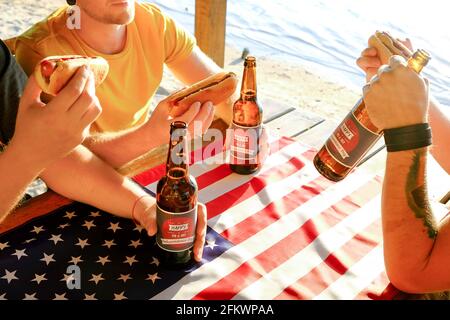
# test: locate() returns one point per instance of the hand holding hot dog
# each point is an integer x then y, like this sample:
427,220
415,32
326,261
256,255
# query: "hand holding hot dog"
51,131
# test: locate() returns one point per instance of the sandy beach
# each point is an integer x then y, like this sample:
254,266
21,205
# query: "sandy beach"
289,83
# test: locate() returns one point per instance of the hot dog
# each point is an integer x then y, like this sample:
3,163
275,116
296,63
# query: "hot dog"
216,88
53,73
387,46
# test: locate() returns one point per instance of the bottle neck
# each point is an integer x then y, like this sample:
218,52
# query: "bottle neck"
248,89
419,60
178,155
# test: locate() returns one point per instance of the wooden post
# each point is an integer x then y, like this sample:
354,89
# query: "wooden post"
210,25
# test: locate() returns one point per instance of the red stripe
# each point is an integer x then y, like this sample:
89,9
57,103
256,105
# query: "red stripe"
379,289
222,171
247,273
263,218
334,266
256,184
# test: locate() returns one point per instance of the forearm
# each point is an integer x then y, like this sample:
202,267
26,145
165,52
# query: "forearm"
118,149
83,177
409,228
17,171
440,125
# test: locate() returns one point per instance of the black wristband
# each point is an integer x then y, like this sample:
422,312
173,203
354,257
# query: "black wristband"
408,138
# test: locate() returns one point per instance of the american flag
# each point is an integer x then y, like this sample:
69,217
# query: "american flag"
282,233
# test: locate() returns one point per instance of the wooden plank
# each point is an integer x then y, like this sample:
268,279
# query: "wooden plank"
34,208
316,136
210,26
294,123
273,109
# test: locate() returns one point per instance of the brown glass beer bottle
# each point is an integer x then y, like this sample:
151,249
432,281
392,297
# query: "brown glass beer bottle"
246,127
176,199
355,136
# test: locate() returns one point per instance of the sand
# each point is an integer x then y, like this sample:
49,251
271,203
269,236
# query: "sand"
289,83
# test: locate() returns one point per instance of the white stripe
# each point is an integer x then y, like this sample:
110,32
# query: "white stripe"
233,181
271,193
358,277
299,265
209,273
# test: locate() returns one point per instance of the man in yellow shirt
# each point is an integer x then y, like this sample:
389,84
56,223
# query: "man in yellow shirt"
137,40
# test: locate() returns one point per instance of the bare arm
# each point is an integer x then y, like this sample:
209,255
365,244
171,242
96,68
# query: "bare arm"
440,125
17,170
416,246
119,148
198,66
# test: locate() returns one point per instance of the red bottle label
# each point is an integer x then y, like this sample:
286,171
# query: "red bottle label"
350,141
244,144
176,231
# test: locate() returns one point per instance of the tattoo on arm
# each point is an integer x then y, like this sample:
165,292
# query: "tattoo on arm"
416,194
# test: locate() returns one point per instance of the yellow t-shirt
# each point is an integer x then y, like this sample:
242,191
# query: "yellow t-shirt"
135,74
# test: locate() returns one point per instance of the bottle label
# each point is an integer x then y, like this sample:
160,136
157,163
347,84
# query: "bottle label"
244,145
350,141
176,231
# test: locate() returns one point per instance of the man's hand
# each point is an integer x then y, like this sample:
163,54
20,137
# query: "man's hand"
369,61
49,132
147,218
198,117
397,97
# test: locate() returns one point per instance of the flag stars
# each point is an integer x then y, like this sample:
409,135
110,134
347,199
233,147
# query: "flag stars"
130,260
153,277
89,224
60,296
90,297
68,278
62,226
38,230
97,278
135,244
39,278
48,258
109,244
75,260
56,238
155,261
3,297
19,254
82,243
120,296
30,296
125,277
114,227
103,260
4,245
29,240
138,228
95,214
70,215
211,244
10,276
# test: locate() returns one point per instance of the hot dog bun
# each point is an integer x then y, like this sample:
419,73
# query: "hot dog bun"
53,73
387,46
216,88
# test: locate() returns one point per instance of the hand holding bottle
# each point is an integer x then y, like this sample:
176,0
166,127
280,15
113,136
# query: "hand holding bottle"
399,97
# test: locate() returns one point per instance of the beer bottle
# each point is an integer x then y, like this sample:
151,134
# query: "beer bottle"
355,136
176,200
246,126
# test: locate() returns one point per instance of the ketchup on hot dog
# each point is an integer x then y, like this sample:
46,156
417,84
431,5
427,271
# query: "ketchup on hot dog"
47,68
